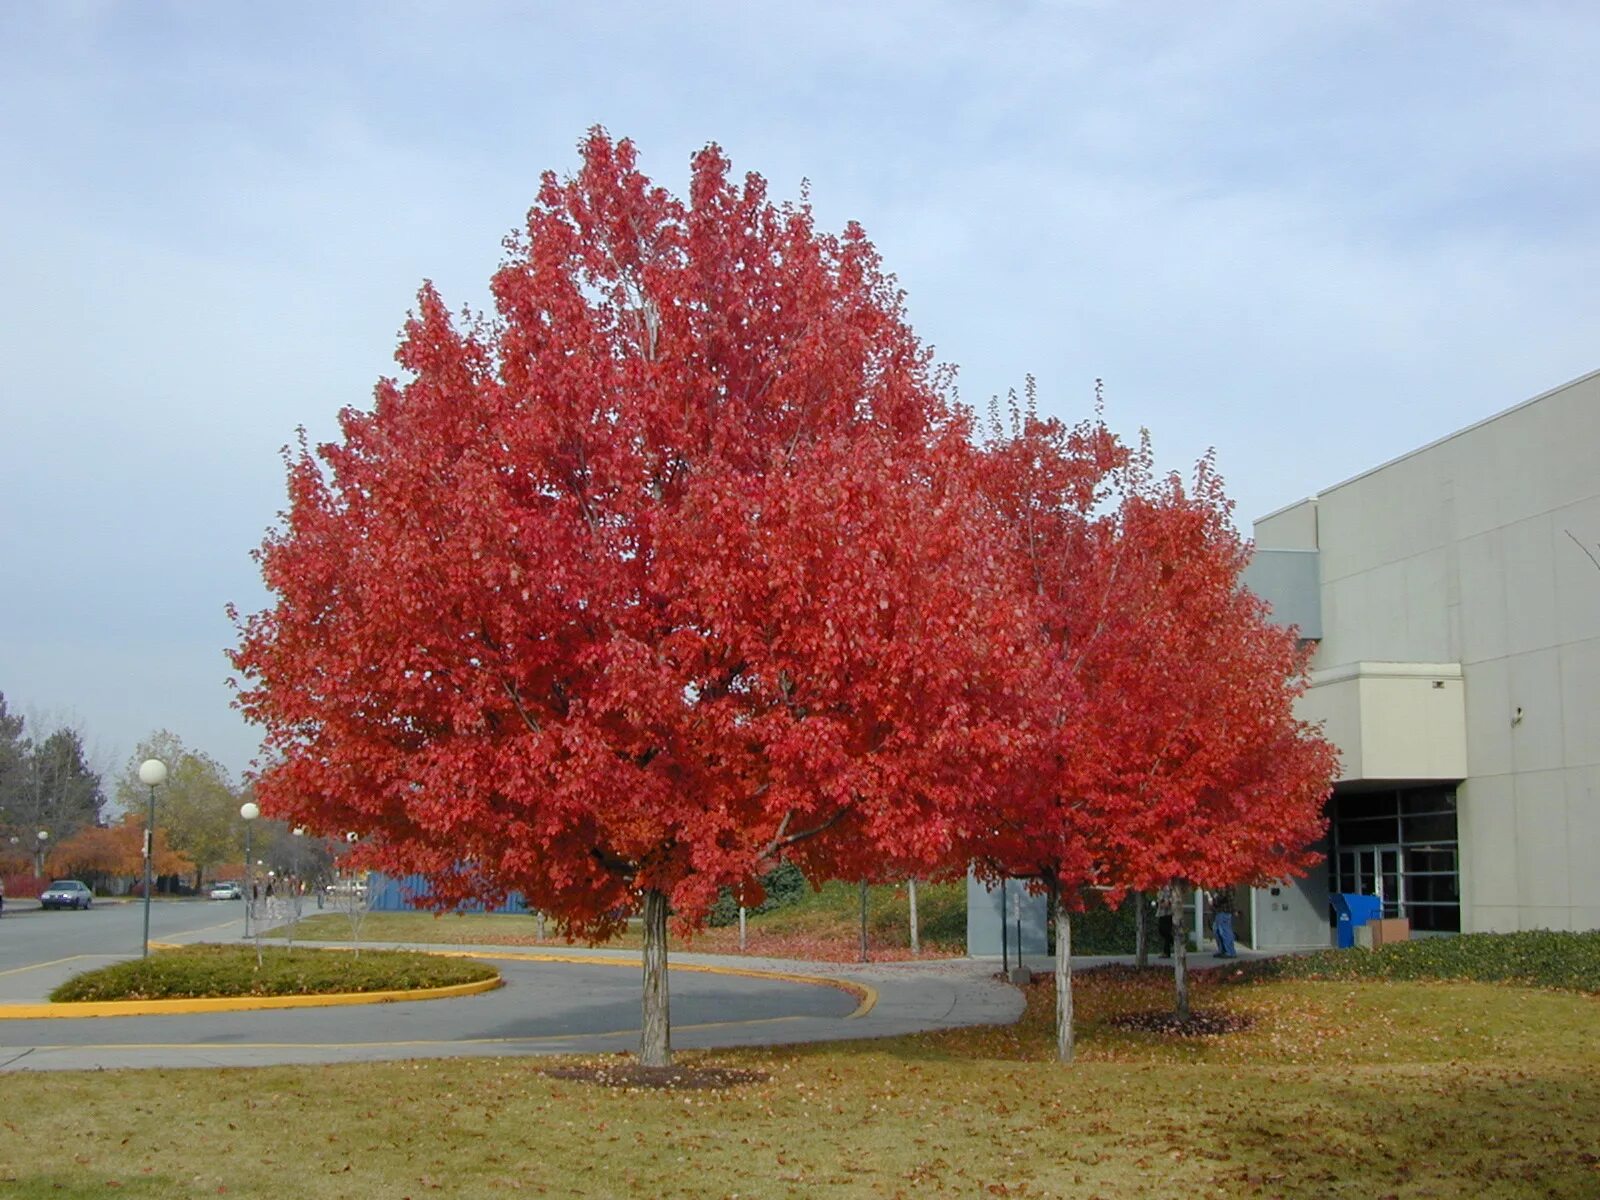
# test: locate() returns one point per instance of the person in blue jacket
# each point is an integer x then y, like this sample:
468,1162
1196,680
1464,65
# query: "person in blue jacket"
1222,922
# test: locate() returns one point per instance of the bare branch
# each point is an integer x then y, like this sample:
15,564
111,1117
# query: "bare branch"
528,718
1585,549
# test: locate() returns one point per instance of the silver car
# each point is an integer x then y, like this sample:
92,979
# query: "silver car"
66,893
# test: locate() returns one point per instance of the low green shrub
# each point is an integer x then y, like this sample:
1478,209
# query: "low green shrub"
205,971
1539,958
784,885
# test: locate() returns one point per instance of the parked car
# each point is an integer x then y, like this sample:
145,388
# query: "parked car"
226,891
66,893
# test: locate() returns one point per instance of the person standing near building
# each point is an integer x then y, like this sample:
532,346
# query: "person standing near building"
1166,902
1222,922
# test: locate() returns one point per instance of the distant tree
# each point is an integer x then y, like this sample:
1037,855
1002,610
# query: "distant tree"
99,854
197,808
49,784
672,569
13,757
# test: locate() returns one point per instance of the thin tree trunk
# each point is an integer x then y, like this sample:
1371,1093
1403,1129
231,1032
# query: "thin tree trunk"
539,923
863,920
1005,934
1180,950
1141,936
655,1038
741,929
916,944
1065,1036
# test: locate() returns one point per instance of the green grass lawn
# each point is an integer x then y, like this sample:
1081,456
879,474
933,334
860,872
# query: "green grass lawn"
1343,1088
824,926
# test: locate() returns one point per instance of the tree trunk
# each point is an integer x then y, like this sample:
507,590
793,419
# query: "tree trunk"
863,920
741,930
1180,950
655,1038
1141,936
539,923
1064,1032
916,944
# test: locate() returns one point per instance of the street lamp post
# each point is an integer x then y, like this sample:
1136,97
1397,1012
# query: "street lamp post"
249,811
38,852
152,773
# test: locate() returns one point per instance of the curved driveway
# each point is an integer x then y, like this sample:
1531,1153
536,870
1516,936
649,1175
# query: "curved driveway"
547,1007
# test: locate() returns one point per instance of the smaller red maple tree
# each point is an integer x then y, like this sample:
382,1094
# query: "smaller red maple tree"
1167,748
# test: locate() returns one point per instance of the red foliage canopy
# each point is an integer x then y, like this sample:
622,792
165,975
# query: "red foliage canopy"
1170,749
673,566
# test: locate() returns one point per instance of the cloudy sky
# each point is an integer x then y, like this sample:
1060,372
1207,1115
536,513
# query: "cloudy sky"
1313,236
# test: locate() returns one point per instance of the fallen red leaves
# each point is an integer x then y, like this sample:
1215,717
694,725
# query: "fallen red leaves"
1199,1024
629,1074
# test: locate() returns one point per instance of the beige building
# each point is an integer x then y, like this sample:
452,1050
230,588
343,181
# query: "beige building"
1454,598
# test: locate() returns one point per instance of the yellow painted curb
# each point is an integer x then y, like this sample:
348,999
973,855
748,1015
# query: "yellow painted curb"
154,1008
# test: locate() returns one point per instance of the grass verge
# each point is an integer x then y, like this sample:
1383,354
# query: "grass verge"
823,926
205,971
1339,1089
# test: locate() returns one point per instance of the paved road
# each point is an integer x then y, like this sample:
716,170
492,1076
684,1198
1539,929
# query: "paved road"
39,949
546,1007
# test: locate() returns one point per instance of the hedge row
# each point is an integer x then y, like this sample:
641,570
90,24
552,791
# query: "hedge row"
1539,959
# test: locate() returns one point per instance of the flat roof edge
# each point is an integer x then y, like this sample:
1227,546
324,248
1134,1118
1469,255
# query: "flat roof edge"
1438,441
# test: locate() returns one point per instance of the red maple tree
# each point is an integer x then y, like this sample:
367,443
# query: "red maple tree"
1212,779
670,568
1167,748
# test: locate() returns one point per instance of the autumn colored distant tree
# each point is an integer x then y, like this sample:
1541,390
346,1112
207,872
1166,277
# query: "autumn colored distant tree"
100,853
671,568
197,809
1166,746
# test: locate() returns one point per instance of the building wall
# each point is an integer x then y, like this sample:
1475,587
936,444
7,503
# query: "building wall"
984,939
1472,551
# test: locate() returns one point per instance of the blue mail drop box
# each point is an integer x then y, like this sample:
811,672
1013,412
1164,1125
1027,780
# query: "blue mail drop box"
1352,910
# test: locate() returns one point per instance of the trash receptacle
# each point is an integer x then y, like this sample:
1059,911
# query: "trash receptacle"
1353,910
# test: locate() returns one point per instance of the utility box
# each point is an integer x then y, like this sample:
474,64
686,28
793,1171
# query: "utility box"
1388,930
1352,910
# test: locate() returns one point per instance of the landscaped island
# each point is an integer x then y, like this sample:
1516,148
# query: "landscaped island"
200,972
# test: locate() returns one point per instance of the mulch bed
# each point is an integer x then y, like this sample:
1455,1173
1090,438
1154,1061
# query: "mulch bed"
688,1078
1199,1024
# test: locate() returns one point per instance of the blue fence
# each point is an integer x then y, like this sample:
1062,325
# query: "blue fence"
395,895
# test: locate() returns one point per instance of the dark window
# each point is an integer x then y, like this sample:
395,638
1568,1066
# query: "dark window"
1433,828
1374,831
1431,858
1427,800
1435,918
1421,823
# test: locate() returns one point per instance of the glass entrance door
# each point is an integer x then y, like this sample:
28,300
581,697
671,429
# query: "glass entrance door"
1374,871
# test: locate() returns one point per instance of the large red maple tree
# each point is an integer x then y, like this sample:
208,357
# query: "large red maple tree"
1165,747
669,568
